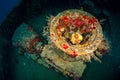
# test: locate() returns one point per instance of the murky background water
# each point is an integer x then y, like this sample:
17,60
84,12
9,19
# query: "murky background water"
33,12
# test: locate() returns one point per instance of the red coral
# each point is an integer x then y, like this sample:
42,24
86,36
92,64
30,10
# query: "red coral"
58,27
75,53
85,17
72,22
79,23
65,46
62,22
65,18
92,21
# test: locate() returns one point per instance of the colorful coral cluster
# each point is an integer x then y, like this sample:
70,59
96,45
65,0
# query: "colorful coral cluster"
75,37
83,23
77,33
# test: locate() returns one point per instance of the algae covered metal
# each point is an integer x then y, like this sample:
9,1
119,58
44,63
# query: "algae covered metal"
73,38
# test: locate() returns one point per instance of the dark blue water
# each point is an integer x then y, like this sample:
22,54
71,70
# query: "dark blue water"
5,7
16,67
